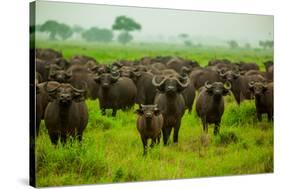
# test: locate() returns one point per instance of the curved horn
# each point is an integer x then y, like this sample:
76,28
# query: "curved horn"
115,77
264,85
52,90
236,74
221,72
77,90
227,85
154,82
183,84
186,70
251,84
207,85
69,74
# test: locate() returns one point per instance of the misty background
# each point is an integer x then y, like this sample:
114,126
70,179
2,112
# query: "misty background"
163,25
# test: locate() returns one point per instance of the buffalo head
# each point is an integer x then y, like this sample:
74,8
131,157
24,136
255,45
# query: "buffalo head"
218,89
106,79
148,111
64,93
170,84
60,76
258,88
228,75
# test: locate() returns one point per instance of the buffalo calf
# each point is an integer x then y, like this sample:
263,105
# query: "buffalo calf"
66,114
210,104
149,124
263,93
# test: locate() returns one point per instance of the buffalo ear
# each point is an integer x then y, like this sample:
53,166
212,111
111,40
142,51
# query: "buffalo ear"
156,112
78,97
225,92
97,79
139,111
52,95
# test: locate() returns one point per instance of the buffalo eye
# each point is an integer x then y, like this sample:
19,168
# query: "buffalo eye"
78,97
156,112
139,111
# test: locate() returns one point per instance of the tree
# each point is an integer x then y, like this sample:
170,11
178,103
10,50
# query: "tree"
188,43
64,31
248,46
125,25
232,44
266,43
77,29
50,27
97,34
125,37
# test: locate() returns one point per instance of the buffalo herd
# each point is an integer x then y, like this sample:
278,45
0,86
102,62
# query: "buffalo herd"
164,87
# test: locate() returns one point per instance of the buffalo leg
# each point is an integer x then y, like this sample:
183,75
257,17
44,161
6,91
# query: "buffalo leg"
153,141
144,143
259,116
165,136
269,117
54,138
158,138
176,132
169,130
205,126
114,111
217,128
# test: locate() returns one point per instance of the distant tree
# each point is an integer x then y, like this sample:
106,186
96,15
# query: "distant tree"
97,34
125,25
188,43
51,27
269,44
248,46
77,29
125,37
183,35
262,44
233,44
64,31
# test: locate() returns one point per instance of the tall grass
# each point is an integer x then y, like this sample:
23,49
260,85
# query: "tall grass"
111,150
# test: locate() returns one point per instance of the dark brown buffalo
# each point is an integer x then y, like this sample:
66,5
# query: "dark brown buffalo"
82,59
149,124
146,91
244,81
42,100
67,114
171,103
214,62
115,92
47,54
263,93
268,64
44,68
198,77
269,74
247,66
210,104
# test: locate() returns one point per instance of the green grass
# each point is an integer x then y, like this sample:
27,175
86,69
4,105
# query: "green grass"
111,150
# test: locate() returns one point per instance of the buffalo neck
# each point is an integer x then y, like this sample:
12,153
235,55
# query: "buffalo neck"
171,103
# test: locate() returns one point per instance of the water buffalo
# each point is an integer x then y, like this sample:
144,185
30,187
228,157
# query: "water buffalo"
149,124
67,114
210,104
171,103
47,54
198,77
82,59
146,91
115,92
263,93
247,66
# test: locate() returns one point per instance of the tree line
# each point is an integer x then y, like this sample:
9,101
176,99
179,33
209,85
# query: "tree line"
61,31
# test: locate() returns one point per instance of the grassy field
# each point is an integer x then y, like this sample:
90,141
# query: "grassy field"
111,150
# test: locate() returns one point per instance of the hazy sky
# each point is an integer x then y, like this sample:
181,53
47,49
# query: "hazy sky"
208,26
